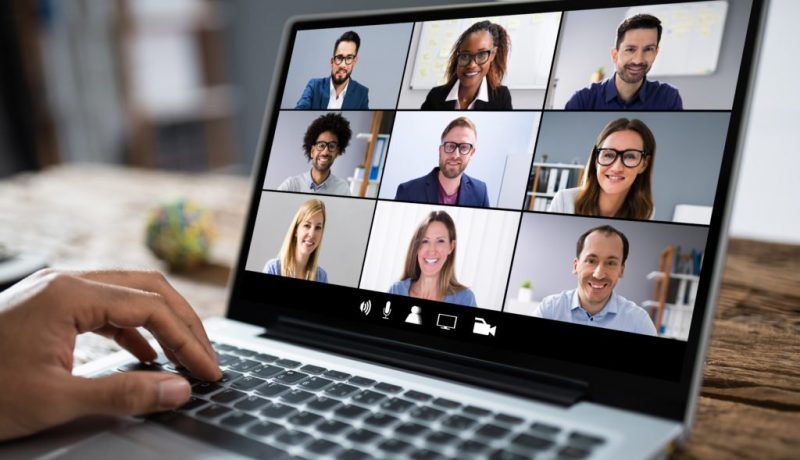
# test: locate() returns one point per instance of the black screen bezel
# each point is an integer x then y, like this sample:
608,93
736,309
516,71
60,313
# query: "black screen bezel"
647,374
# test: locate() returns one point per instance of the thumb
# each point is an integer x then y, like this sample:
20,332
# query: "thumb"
130,393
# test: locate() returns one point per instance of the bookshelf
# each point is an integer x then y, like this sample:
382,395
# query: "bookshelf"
547,179
674,294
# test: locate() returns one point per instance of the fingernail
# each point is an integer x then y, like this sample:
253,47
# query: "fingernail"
173,392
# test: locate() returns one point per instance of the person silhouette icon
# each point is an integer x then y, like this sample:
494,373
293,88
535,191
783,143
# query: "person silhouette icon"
414,317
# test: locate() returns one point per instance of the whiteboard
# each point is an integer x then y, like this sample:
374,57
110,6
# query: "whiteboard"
691,39
533,41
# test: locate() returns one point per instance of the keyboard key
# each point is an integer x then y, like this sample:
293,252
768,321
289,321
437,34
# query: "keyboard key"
204,388
244,365
584,439
476,411
417,396
379,420
341,390
397,405
368,397
446,403
353,454
225,360
312,369
350,411
394,446
267,371
229,376
442,439
287,363
532,442
213,411
272,389
265,428
508,419
426,454
336,375
571,452
323,447
361,381
290,377
245,353
225,347
506,455
264,358
362,436
249,403
278,410
293,437
237,419
493,432
458,422
248,383
227,396
425,413
332,427
472,447
388,388
410,429
323,404
315,383
544,428
192,404
139,366
304,418
296,397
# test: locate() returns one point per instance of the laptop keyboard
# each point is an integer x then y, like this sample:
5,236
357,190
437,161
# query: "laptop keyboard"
269,407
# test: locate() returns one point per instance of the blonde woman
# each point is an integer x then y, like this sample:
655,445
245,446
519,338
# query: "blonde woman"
299,256
618,177
430,268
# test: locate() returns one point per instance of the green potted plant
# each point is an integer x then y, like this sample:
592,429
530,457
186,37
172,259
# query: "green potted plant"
525,293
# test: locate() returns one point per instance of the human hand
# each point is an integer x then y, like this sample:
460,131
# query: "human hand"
39,319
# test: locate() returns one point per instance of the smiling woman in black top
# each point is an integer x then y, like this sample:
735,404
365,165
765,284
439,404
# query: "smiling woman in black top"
474,72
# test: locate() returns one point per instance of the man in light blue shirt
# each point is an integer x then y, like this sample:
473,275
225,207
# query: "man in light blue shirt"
599,263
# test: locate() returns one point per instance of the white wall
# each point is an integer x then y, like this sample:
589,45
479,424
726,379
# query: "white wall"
767,205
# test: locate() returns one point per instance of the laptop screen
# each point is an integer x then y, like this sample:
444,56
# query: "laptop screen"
539,184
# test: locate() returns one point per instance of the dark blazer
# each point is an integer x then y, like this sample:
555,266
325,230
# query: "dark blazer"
425,189
500,100
318,92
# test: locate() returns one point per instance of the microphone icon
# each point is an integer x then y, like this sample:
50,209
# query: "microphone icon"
387,310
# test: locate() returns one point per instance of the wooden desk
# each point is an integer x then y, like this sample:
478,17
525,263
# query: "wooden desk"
90,216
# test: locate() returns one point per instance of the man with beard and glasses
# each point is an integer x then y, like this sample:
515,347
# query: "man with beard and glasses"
629,89
447,183
326,138
598,264
339,91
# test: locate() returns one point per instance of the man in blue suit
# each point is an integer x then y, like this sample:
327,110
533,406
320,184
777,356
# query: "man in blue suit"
339,91
447,183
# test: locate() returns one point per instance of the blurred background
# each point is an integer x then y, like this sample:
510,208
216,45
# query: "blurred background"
181,85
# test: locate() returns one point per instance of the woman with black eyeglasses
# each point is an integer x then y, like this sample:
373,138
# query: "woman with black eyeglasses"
475,70
618,175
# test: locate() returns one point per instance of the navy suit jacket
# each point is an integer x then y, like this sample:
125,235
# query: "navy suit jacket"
318,92
425,189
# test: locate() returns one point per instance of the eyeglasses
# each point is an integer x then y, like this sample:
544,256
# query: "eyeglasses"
463,148
480,58
331,146
631,158
339,58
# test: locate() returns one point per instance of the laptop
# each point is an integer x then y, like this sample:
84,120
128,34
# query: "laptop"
561,329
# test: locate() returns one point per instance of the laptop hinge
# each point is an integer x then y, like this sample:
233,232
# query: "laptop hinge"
508,379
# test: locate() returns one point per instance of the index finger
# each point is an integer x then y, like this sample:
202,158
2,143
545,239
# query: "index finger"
98,304
153,281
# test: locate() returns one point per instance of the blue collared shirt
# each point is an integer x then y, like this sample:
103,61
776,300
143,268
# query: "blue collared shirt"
653,95
463,297
619,313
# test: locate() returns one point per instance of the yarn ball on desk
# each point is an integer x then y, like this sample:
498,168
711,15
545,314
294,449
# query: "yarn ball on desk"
180,233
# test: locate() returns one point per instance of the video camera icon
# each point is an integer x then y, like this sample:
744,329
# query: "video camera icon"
481,327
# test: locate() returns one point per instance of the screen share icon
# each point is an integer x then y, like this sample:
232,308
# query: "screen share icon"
446,322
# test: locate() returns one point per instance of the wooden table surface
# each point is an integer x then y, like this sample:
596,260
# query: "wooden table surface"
93,216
